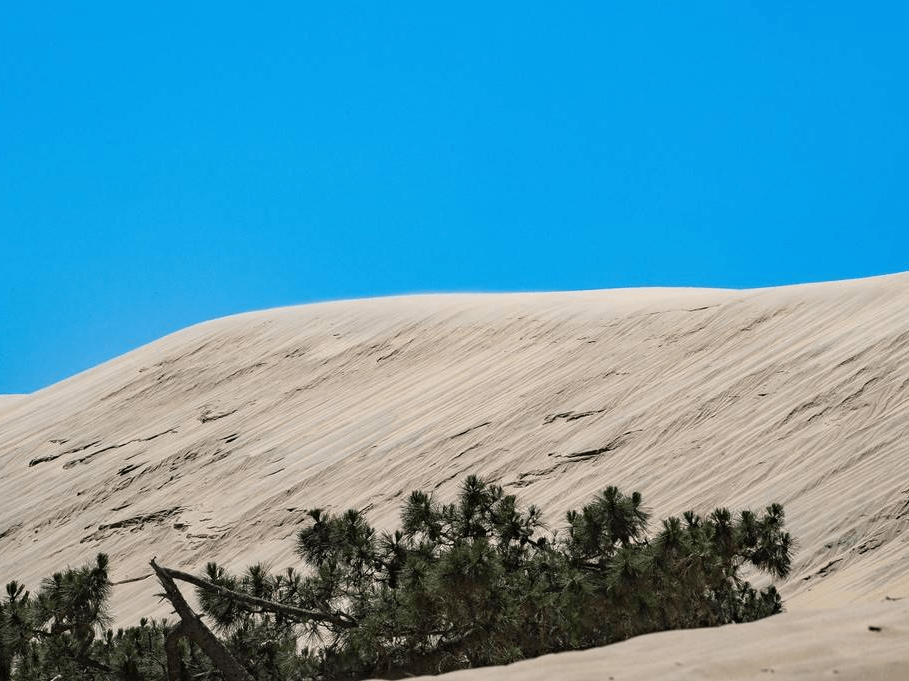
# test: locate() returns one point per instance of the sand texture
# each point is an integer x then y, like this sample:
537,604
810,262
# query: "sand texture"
7,402
211,442
864,643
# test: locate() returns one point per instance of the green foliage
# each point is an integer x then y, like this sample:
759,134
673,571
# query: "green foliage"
476,582
60,634
470,583
54,632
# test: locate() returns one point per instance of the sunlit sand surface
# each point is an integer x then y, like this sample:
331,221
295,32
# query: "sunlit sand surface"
210,443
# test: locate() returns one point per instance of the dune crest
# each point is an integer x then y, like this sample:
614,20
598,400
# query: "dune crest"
211,442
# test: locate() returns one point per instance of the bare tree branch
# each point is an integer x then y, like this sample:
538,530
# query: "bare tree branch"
339,619
194,629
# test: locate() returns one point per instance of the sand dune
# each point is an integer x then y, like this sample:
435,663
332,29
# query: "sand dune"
211,442
863,643
7,402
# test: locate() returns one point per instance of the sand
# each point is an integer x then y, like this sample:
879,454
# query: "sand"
861,643
7,402
211,442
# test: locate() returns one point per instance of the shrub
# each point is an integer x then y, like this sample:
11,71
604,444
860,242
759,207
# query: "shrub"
477,582
470,583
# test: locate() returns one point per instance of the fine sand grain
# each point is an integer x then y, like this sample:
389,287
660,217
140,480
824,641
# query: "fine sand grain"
210,444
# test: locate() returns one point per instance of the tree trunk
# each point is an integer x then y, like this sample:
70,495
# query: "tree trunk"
172,650
194,629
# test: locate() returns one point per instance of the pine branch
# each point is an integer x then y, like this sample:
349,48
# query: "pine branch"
339,619
192,627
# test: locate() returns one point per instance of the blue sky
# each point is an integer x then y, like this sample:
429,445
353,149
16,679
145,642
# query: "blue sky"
164,164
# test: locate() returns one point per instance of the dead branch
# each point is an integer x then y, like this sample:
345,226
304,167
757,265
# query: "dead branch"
339,619
193,628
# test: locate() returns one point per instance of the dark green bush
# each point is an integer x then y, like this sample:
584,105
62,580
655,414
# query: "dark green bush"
470,583
477,582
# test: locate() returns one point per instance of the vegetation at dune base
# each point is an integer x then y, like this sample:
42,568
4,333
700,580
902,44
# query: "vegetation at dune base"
475,582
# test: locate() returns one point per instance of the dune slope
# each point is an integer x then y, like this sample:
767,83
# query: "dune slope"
211,442
853,644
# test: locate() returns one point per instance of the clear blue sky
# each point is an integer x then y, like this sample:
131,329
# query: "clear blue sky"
163,164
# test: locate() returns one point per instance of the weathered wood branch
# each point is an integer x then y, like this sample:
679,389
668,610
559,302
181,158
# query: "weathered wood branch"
339,619
194,629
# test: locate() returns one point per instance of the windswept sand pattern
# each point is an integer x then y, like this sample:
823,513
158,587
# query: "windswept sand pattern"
210,443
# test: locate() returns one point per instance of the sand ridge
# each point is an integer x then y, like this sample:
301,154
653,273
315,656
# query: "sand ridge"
211,442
